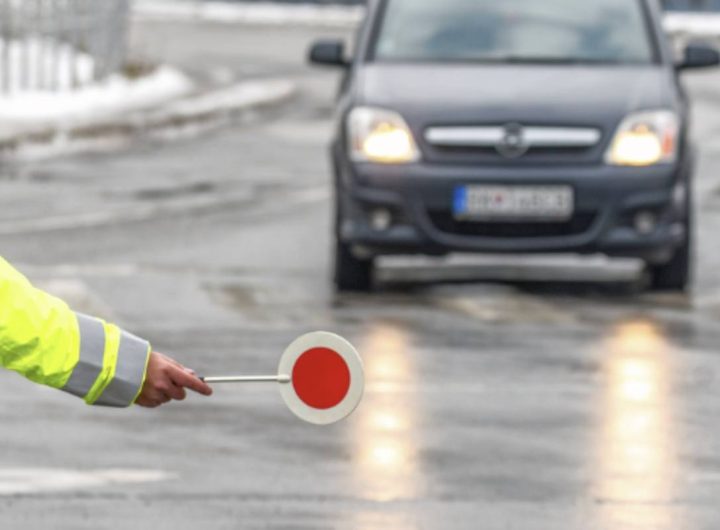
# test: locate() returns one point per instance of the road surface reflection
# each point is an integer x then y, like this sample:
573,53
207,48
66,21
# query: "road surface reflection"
637,462
386,465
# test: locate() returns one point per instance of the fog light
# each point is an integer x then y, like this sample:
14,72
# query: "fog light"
381,219
645,223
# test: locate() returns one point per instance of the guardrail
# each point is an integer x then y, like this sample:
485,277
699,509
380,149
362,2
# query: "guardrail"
56,45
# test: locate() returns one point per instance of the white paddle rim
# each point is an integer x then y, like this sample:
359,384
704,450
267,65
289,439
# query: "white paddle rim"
331,341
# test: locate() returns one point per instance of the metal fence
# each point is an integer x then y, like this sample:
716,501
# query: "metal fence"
55,45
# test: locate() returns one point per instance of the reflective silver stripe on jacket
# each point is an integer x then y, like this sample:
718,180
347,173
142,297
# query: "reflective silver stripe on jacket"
92,353
129,372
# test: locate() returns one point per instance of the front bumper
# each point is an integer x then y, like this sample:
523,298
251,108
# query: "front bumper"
419,198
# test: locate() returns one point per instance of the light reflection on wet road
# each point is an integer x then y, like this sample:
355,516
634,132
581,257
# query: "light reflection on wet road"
386,462
637,477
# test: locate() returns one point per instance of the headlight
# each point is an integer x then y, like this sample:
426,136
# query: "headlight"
378,135
645,139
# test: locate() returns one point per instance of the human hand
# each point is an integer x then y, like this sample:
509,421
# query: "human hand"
166,380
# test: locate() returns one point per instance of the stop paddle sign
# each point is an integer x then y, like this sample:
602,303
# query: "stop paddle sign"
326,378
321,378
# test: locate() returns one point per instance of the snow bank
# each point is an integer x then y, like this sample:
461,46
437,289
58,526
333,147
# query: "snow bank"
693,24
261,13
116,96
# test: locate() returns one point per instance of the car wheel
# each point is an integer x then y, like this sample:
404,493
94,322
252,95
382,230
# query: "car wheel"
676,274
351,273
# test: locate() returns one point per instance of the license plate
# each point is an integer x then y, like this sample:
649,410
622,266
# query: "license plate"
541,203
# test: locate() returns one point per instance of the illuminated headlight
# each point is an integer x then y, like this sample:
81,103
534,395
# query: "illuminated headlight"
382,136
645,139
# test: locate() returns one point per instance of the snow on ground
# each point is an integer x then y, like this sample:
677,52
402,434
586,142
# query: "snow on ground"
261,13
117,95
693,24
38,76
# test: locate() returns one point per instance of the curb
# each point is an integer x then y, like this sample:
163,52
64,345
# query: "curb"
201,108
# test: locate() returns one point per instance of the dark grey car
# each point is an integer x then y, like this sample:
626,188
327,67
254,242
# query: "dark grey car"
513,127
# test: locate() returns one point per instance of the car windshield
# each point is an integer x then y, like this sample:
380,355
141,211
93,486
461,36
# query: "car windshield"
553,31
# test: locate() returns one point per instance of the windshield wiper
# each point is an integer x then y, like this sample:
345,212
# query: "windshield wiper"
517,59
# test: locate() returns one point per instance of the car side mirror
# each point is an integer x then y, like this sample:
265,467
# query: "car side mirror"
699,56
329,53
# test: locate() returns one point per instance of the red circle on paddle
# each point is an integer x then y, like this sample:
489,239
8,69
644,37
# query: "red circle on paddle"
321,378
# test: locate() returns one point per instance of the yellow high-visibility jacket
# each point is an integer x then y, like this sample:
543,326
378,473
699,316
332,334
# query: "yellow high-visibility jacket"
42,339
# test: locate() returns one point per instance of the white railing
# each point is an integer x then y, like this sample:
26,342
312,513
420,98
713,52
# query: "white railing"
58,45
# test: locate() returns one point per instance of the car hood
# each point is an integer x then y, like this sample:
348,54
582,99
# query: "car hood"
583,95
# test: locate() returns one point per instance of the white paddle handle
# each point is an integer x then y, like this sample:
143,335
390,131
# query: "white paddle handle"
283,379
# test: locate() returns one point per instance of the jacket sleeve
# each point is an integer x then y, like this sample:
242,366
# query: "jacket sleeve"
42,339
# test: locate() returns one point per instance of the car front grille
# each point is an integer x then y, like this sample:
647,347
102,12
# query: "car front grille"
578,224
494,144
489,155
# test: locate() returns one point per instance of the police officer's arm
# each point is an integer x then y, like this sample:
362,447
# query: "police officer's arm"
42,339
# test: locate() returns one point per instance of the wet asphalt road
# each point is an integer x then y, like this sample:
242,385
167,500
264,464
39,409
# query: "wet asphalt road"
542,401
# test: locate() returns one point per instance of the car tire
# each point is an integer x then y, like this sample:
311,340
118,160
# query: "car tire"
676,274
351,273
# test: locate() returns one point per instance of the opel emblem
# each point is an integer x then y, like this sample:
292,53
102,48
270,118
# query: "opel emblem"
512,144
